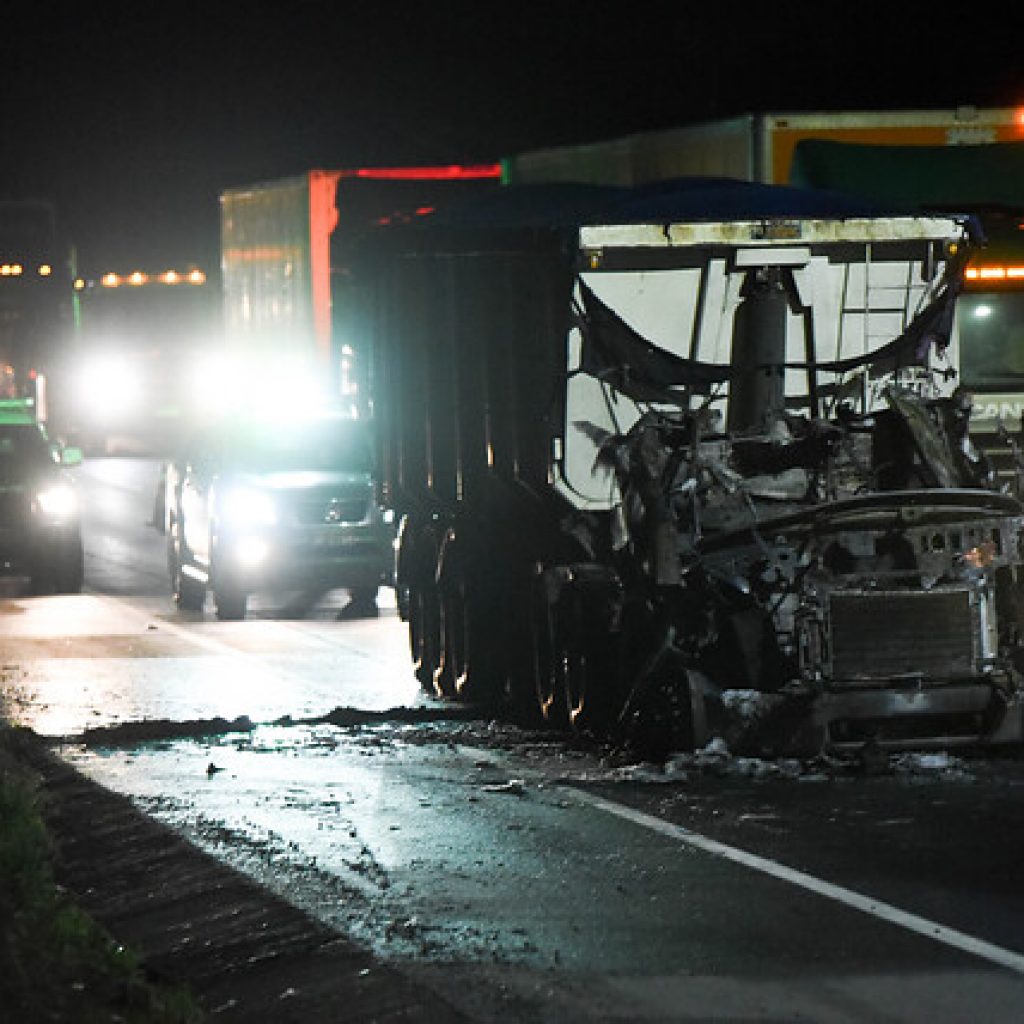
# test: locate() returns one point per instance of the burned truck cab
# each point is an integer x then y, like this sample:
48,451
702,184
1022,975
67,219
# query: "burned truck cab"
795,512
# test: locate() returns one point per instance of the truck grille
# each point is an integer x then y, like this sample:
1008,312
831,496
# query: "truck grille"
881,635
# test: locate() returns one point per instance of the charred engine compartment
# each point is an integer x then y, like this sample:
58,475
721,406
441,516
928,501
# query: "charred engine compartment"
820,564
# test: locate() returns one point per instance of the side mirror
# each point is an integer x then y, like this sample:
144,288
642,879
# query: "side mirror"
70,456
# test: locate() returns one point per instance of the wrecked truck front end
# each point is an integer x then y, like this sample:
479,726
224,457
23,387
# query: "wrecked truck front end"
890,619
798,525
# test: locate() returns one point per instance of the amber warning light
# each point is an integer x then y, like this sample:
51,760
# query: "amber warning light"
137,279
985,273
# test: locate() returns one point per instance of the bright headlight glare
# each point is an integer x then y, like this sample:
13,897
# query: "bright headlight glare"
248,507
58,501
251,551
111,387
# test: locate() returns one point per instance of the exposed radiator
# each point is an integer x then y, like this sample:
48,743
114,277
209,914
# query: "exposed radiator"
877,635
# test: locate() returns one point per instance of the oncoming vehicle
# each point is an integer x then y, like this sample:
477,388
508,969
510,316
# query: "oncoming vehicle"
40,530
275,504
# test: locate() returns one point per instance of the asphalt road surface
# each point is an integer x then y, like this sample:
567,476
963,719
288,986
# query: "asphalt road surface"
520,876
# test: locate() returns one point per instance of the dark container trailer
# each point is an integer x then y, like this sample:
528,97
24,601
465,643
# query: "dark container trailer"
655,450
468,366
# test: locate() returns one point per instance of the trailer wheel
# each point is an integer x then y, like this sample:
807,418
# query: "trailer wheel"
415,578
547,650
69,573
230,603
189,593
471,627
424,627
589,665
453,668
450,642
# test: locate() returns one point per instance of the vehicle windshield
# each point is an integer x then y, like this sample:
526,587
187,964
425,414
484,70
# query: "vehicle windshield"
991,328
22,447
330,445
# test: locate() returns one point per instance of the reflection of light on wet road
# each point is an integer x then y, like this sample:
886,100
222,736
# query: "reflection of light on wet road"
61,618
88,661
406,830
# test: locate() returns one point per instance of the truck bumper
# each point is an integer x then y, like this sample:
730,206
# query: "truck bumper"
950,715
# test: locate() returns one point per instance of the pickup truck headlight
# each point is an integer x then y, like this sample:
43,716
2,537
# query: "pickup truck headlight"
246,506
58,501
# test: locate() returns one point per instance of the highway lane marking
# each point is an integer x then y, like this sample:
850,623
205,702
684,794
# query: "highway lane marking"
848,897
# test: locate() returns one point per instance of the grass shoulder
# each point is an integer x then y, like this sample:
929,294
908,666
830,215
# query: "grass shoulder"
56,963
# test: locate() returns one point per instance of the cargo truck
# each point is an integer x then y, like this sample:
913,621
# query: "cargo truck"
284,262
967,160
659,453
760,147
131,377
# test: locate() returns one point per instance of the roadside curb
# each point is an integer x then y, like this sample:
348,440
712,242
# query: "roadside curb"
246,954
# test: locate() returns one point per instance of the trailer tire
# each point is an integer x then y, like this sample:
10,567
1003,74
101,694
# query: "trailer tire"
230,603
424,625
69,573
589,660
547,650
189,594
416,579
471,628
451,675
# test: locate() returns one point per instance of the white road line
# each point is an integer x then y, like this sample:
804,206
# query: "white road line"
877,908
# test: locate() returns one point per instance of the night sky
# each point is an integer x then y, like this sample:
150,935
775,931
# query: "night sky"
132,117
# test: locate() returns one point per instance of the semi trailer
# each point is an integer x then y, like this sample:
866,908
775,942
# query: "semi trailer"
661,452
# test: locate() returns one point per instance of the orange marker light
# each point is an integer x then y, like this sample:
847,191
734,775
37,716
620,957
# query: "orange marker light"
994,273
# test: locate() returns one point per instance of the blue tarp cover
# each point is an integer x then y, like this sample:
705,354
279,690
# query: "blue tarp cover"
563,206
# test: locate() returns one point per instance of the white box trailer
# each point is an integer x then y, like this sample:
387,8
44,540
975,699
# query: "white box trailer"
760,147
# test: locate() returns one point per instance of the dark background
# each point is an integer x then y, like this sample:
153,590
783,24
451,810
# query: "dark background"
132,117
